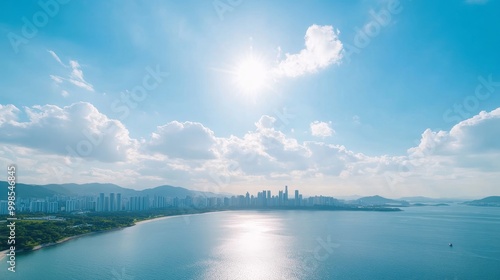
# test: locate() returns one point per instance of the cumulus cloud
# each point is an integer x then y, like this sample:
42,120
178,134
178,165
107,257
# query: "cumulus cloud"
321,129
75,77
187,140
8,113
478,134
322,48
190,154
472,143
76,130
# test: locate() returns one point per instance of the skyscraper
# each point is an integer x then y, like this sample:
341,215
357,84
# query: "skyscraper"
118,202
285,199
100,202
106,204
112,205
247,199
297,201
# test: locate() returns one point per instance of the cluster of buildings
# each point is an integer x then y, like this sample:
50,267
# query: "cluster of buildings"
114,202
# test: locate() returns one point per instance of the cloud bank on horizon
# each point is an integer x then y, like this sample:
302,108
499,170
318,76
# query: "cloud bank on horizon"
189,153
353,103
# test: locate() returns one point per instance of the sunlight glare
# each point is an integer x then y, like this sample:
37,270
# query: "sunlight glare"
251,74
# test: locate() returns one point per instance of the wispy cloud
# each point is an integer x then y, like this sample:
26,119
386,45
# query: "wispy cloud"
75,77
56,57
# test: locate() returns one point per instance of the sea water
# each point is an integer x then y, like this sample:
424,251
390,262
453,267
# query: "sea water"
284,244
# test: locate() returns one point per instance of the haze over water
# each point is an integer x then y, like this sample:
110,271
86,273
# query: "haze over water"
412,244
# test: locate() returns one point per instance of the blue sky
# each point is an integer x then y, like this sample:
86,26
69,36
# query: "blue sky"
332,97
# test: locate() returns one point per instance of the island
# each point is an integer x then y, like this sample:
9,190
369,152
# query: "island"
493,201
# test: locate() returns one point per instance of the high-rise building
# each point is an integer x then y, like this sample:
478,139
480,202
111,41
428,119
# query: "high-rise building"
118,202
247,199
53,207
100,202
297,201
70,205
112,202
106,204
285,198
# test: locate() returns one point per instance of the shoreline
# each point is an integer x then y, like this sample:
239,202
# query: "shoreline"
3,254
172,216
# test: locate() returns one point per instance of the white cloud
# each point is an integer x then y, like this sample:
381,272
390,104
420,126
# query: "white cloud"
56,79
56,57
188,140
321,129
75,77
79,127
323,48
8,113
472,143
476,135
462,161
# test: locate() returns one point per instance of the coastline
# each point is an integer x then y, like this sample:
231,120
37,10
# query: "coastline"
3,254
172,216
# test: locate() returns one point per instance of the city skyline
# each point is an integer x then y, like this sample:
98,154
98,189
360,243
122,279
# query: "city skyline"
351,98
108,203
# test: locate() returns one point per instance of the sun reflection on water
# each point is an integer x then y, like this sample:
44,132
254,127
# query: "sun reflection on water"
256,250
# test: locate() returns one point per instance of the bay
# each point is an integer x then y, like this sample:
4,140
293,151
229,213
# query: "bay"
292,244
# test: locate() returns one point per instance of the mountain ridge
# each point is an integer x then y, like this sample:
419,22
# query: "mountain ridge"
93,189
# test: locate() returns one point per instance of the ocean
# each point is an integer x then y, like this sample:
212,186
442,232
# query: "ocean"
285,244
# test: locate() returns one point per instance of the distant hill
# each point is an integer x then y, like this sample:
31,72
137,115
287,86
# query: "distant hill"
377,200
88,189
487,201
24,190
93,189
169,191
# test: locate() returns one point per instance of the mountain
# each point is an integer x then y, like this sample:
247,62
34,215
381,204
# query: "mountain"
24,190
169,191
93,189
349,197
88,189
487,201
377,200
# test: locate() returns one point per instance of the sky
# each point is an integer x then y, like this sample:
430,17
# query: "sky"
396,98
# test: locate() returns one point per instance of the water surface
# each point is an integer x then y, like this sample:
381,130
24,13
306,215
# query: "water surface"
412,244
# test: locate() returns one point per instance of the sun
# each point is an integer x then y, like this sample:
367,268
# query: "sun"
251,74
